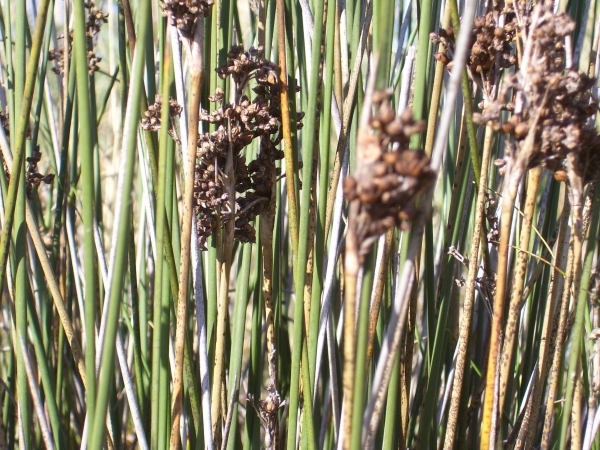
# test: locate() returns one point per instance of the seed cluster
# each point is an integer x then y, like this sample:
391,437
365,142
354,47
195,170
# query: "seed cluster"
184,13
552,102
237,125
32,176
491,49
152,117
388,185
94,21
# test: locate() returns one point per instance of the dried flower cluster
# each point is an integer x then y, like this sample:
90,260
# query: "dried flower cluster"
237,125
549,102
184,13
389,183
32,176
152,117
491,49
94,21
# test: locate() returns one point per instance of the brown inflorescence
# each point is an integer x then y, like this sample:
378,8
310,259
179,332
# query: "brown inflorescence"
549,100
237,125
32,176
388,186
94,21
152,117
183,14
491,49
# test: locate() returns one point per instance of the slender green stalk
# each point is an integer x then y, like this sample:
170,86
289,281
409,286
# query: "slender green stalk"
362,364
422,67
86,147
160,340
105,378
308,136
21,288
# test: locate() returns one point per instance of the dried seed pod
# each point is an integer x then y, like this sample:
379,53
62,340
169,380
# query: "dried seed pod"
391,176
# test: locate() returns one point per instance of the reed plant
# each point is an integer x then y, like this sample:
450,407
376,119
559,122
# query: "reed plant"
302,224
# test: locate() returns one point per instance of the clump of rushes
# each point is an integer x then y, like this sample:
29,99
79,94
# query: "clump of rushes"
94,21
491,50
152,120
389,182
550,105
184,13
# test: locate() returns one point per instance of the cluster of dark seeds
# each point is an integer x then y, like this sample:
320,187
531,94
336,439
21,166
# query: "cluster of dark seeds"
152,117
390,182
59,57
237,125
32,176
184,13
94,21
4,122
491,49
552,102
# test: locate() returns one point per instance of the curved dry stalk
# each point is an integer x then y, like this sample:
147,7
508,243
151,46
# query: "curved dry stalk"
518,281
465,325
196,76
